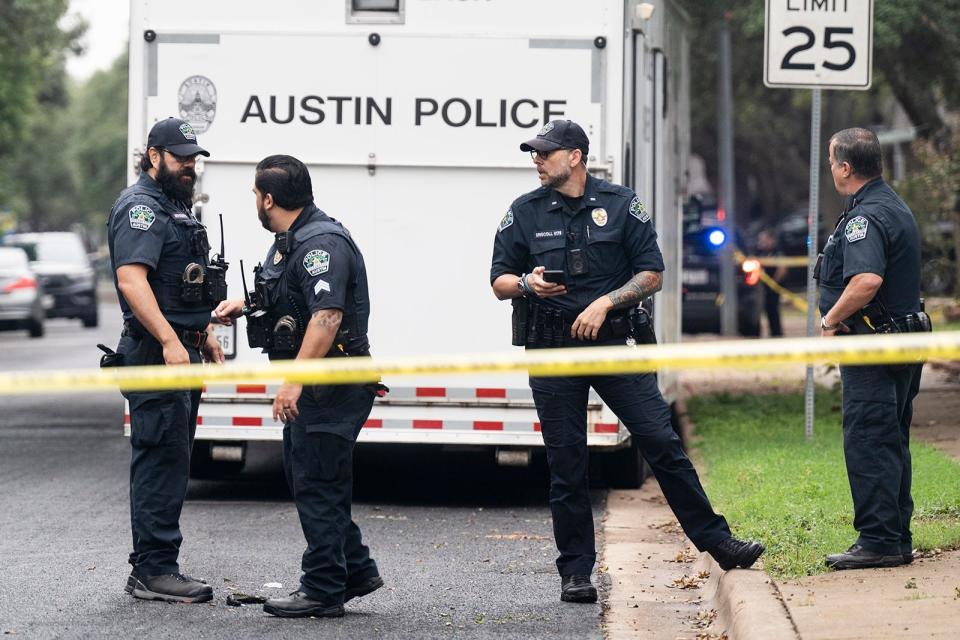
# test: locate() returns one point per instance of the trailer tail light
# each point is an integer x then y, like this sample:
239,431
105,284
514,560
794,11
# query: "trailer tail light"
23,282
751,269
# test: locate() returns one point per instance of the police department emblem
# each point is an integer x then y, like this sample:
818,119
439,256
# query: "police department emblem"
198,104
316,262
547,128
638,211
599,217
506,221
142,217
856,229
277,257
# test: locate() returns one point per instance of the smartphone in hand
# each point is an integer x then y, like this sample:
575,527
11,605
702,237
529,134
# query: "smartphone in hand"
555,276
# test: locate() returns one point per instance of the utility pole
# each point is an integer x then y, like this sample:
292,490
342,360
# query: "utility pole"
728,198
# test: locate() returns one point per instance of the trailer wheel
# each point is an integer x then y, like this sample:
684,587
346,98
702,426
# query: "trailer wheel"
204,467
625,468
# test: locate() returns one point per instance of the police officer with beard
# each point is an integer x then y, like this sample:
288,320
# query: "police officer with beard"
596,243
167,288
869,276
311,301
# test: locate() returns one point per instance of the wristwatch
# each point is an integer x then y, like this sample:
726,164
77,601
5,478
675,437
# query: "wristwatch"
827,327
522,285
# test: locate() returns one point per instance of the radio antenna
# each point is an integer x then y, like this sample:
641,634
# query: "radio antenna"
243,278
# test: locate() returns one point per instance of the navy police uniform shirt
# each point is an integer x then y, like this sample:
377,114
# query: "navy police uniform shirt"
611,228
876,234
324,271
146,227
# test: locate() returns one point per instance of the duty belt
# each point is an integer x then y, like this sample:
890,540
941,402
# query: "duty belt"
188,337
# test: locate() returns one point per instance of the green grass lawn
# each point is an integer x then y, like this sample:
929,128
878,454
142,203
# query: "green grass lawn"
948,326
773,485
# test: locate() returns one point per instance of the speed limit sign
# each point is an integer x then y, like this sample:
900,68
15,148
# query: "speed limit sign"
819,44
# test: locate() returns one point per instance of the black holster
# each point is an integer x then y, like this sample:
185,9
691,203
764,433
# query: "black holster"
642,326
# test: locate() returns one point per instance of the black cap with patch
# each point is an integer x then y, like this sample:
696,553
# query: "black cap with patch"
559,134
177,137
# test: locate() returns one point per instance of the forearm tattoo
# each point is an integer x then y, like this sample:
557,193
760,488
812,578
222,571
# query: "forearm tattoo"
328,318
642,285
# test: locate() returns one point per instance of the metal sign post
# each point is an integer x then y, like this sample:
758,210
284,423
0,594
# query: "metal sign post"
813,223
817,45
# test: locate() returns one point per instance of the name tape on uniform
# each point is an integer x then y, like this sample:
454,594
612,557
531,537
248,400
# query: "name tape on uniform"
739,354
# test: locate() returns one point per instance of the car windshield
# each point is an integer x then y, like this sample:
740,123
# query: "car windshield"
53,248
12,258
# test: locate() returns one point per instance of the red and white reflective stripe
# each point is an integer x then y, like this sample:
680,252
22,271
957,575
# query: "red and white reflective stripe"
400,393
380,423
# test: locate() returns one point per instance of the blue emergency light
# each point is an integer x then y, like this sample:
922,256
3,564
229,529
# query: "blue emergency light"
717,237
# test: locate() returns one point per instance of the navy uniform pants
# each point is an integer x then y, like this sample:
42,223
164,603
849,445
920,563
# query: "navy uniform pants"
162,426
877,411
637,402
318,460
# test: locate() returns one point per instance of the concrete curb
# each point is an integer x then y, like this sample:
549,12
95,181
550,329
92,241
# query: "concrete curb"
748,603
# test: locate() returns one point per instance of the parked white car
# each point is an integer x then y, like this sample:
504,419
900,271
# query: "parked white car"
21,300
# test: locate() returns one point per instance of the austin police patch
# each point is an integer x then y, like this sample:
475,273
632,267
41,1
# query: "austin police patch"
142,217
506,221
187,132
638,211
856,229
197,99
547,128
316,262
277,257
599,216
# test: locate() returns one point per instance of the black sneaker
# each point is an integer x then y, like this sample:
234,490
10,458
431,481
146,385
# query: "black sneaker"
856,557
362,588
907,557
577,589
299,605
732,553
171,587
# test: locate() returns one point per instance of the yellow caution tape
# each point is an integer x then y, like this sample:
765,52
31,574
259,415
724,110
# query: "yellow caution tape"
780,261
873,349
790,297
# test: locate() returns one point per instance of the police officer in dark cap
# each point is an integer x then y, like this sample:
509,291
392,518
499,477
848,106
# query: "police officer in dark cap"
869,275
577,257
167,286
311,301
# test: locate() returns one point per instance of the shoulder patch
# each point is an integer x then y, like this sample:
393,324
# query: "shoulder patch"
856,229
321,285
506,221
316,262
638,211
141,217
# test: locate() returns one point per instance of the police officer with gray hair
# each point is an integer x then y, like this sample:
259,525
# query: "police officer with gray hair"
577,256
869,277
310,300
167,287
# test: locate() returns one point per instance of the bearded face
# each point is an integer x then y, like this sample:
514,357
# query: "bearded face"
177,184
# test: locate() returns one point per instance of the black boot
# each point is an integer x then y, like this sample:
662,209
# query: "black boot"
577,589
856,557
299,605
736,553
172,587
362,588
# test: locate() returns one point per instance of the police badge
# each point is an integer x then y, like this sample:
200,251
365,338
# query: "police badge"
316,262
197,99
142,217
856,229
547,128
599,217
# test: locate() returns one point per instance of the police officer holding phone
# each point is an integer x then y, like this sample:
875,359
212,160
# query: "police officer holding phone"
167,287
311,301
869,276
577,257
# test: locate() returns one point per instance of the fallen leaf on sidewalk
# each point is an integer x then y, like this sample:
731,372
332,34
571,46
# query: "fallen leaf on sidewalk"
704,619
685,556
514,536
712,636
689,582
911,584
238,599
956,593
671,526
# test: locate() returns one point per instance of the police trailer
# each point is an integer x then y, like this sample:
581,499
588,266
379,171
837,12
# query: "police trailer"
409,114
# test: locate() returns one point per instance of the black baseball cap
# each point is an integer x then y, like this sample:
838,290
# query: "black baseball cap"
559,134
176,136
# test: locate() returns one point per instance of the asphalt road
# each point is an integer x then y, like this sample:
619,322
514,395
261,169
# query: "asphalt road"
466,549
